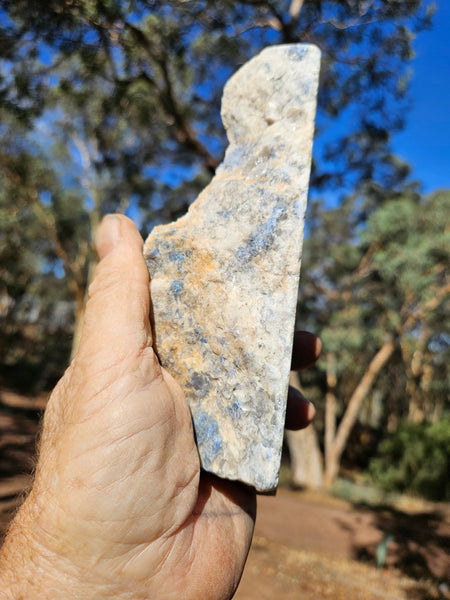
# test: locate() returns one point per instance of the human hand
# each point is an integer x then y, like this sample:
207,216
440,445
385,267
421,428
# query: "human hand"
306,350
119,507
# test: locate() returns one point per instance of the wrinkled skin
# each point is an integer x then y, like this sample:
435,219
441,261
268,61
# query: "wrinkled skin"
119,506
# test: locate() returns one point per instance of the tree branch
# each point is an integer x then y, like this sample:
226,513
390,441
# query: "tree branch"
422,310
183,130
352,23
295,8
330,405
359,394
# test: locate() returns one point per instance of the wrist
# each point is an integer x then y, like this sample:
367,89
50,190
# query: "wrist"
28,569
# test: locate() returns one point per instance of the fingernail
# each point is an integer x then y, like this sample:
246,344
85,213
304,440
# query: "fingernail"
113,225
311,411
318,348
108,235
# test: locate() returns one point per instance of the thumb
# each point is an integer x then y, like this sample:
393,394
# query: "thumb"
115,230
116,320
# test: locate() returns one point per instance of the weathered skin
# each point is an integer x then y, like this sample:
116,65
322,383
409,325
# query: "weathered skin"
224,277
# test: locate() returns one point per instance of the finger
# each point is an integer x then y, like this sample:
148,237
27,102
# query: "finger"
305,351
116,320
299,411
115,230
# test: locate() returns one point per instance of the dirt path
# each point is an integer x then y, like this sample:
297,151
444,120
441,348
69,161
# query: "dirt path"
277,571
306,545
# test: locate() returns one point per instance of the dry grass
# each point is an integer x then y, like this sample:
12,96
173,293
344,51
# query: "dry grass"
277,571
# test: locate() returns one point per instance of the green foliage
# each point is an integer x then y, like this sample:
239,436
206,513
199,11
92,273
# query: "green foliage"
412,243
416,458
42,263
146,79
358,493
374,280
365,285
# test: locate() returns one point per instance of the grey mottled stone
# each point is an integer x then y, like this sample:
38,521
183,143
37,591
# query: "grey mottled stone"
224,277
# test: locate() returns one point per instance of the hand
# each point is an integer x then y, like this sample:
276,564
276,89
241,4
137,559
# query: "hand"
306,350
119,507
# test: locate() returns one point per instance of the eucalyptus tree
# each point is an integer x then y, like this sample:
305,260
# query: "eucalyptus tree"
44,241
123,97
379,295
157,68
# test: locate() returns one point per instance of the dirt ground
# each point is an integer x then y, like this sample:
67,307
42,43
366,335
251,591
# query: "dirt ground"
307,546
310,546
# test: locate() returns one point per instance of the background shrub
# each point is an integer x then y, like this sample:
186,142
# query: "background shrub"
415,459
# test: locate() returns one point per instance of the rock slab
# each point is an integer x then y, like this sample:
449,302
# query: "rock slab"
224,277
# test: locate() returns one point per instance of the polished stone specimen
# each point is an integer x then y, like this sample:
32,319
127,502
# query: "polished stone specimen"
224,278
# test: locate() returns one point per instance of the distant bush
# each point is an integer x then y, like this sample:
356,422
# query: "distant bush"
416,458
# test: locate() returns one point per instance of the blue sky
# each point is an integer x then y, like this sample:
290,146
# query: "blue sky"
425,142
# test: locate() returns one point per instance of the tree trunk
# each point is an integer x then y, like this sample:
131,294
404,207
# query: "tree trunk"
330,407
306,458
337,447
81,294
414,368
